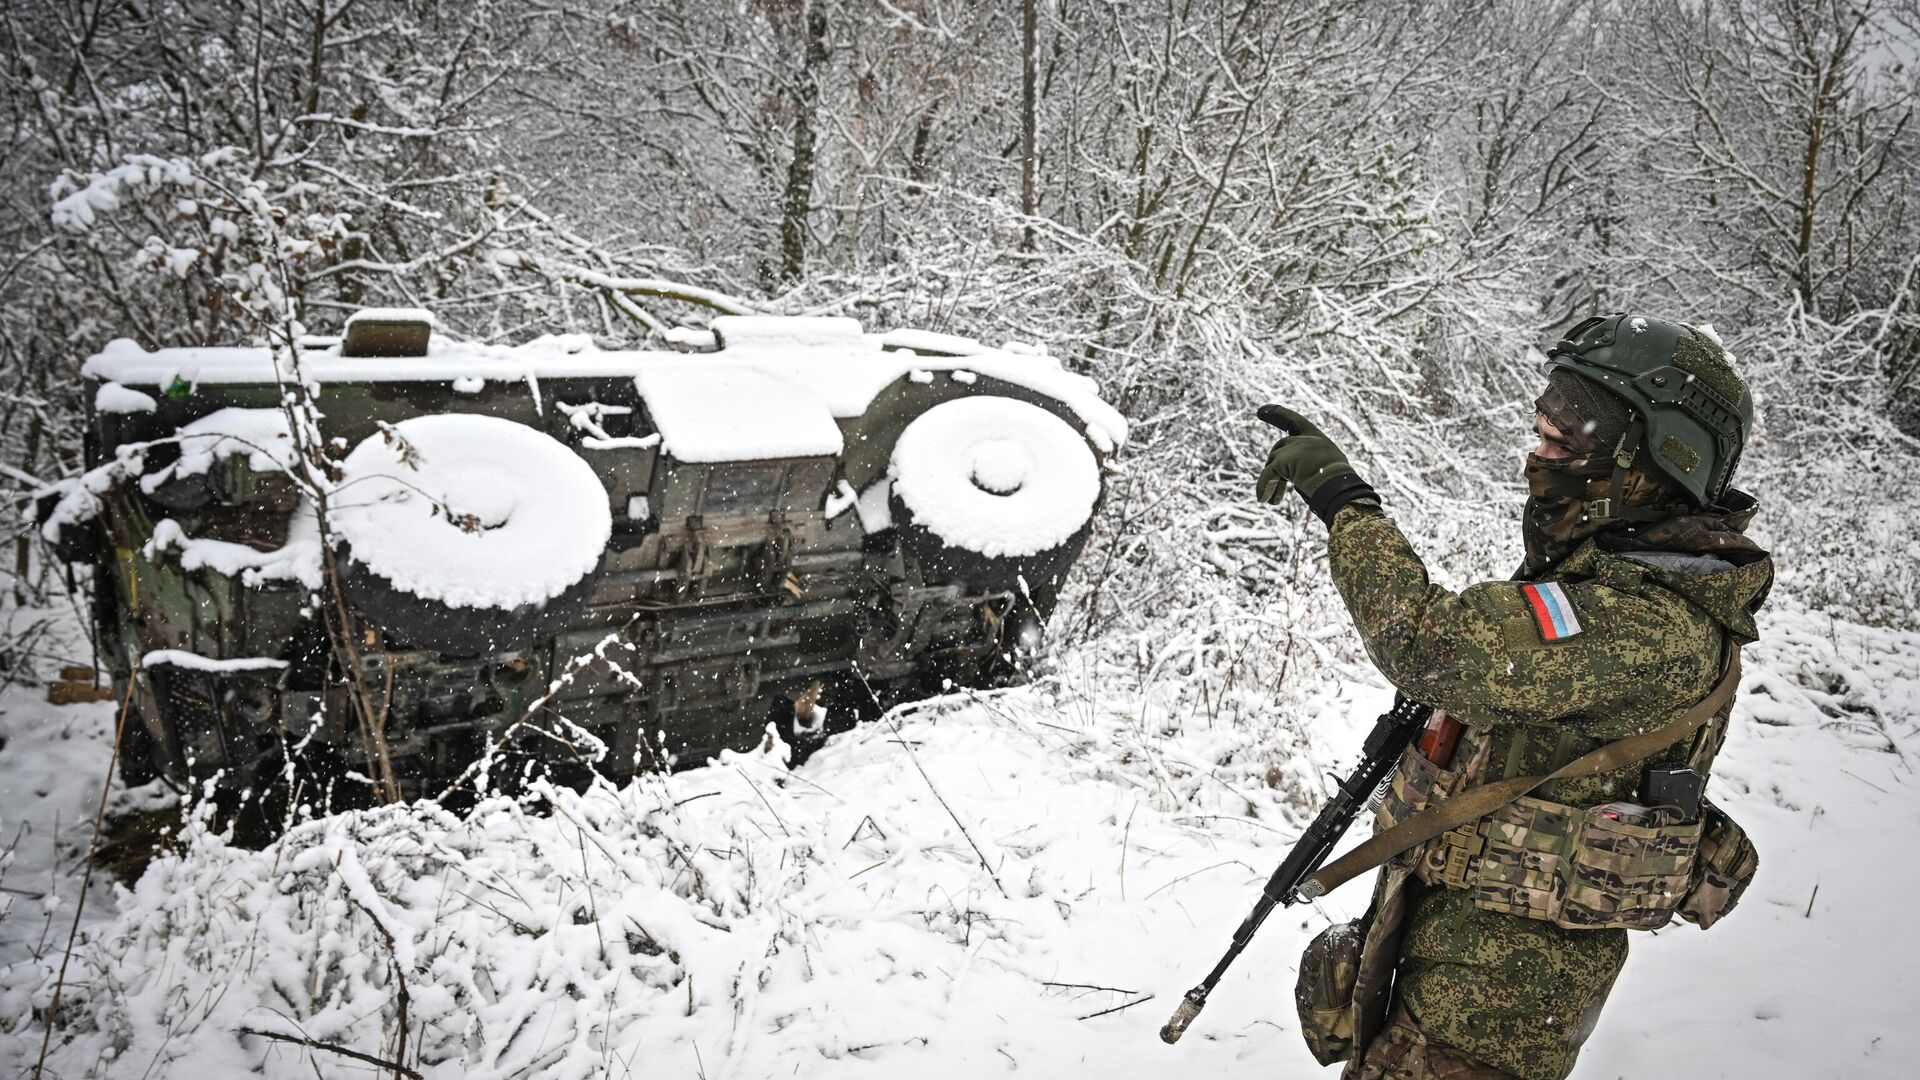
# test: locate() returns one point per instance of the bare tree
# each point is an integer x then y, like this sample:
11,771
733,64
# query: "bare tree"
1796,120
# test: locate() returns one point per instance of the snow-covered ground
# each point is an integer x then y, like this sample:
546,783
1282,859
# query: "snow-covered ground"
966,889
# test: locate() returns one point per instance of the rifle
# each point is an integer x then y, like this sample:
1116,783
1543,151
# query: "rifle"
1392,733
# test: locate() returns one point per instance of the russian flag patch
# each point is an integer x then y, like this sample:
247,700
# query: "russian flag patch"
1551,609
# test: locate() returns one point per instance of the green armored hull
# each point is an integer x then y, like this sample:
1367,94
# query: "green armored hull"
638,558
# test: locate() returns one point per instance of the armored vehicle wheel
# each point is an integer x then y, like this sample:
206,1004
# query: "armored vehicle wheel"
993,494
469,533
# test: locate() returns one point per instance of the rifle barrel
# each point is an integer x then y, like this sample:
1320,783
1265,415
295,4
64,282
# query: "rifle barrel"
1392,733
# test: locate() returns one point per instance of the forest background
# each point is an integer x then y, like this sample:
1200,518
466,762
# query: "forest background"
1377,213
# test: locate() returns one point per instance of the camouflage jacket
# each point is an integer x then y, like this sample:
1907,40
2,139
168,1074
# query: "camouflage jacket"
1645,642
1652,627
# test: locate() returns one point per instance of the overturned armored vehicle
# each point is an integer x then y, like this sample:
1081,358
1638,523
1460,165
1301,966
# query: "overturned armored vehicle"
593,561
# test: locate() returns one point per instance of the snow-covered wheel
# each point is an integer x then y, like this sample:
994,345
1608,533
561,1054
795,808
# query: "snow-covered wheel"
469,533
994,494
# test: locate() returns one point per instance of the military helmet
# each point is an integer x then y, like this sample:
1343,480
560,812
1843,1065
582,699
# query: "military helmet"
1694,407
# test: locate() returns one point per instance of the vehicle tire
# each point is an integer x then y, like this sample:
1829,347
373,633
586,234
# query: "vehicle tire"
469,534
993,494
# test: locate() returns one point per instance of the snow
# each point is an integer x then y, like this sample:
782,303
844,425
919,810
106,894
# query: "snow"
472,511
260,434
587,417
114,398
929,343
875,506
947,892
819,365
995,475
842,499
194,661
297,560
732,412
392,315
955,891
786,332
81,499
690,338
75,208
178,261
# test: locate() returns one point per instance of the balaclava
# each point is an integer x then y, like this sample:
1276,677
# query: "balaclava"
1559,512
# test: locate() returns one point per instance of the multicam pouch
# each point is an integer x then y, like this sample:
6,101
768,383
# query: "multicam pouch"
1409,789
1417,783
1329,968
1727,864
1512,861
1627,875
1563,864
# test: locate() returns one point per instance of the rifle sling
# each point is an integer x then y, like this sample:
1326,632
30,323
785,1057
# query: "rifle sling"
1480,801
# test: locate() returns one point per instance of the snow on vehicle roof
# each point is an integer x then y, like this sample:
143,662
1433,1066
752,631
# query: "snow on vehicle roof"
261,435
393,314
734,330
734,412
114,398
821,368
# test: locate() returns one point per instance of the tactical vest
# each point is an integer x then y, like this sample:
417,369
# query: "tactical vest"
1578,867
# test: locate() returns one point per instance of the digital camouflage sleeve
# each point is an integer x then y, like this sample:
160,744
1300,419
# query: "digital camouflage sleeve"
1482,655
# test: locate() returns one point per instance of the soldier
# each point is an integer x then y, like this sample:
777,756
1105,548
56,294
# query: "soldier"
1489,950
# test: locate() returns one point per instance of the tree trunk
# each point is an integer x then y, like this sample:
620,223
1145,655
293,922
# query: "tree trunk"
799,193
1027,199
22,548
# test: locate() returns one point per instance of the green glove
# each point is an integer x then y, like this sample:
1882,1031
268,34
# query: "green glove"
1312,464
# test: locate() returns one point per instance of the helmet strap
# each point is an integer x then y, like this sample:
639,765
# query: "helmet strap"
1613,507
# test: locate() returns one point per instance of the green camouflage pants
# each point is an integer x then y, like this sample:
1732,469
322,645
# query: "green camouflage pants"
1517,993
1403,1052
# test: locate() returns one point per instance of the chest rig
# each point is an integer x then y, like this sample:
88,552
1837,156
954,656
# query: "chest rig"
1579,865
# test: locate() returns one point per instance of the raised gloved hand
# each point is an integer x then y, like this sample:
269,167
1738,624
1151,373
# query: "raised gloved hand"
1312,464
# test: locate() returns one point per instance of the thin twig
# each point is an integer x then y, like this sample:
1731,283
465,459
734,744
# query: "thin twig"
1867,782
86,879
763,801
586,879
401,999
1202,870
941,799
1117,1008
857,829
1087,986
333,1048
